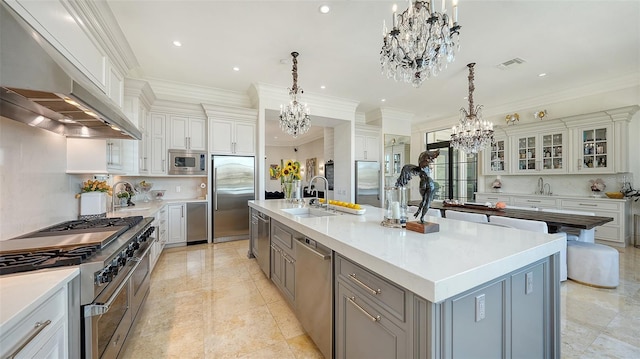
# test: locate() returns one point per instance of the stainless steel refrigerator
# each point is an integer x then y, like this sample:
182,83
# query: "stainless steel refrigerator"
233,185
368,183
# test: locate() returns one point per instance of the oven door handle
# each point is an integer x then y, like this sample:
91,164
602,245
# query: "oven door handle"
92,310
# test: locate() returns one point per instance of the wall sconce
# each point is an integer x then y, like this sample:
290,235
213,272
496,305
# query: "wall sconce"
540,114
512,118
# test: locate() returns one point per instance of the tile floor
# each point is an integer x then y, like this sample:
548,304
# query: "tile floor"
210,301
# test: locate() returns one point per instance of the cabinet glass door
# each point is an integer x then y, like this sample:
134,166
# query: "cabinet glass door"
527,154
497,156
594,147
552,152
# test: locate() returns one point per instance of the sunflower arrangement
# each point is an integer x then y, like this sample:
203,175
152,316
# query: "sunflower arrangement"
287,172
95,186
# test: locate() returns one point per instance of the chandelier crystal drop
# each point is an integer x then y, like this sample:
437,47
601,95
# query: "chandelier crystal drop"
421,43
473,133
294,117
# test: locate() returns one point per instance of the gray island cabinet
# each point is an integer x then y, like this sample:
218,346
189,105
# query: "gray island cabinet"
468,291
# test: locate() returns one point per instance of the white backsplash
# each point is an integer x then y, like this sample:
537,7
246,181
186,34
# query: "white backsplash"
35,191
567,185
190,187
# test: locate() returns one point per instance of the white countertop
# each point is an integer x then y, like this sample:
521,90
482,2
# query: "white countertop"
148,209
22,293
436,266
554,196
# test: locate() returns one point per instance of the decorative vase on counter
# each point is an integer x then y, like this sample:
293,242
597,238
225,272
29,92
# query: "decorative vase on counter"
93,203
292,190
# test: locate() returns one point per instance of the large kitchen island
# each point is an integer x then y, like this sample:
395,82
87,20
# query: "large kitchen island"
468,291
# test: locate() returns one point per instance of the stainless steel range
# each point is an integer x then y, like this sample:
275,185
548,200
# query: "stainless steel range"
112,254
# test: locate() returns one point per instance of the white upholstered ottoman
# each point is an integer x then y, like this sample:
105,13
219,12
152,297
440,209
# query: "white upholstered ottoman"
593,264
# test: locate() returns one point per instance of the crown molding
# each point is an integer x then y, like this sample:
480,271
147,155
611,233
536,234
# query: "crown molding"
230,113
141,90
189,93
271,97
630,81
98,19
178,108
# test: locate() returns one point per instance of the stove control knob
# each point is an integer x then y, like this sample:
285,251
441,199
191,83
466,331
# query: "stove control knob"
122,260
136,245
114,270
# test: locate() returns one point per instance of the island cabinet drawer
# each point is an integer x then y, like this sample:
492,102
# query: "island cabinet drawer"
590,206
609,233
281,234
534,202
371,286
37,327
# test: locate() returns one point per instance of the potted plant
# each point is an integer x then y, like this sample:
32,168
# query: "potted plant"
124,198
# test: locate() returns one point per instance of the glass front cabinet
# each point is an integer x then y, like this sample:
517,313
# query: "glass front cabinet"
543,153
594,149
496,157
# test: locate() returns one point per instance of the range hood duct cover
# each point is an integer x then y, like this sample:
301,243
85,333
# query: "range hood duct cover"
35,90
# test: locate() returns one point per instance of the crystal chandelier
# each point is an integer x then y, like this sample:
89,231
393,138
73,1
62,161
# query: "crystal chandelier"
421,42
473,133
294,117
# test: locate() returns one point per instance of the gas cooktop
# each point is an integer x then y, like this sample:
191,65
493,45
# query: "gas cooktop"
67,243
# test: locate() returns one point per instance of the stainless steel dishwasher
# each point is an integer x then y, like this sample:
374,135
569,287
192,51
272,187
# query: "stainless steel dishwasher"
263,244
196,223
314,292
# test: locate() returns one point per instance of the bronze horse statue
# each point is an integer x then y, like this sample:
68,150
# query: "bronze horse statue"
427,186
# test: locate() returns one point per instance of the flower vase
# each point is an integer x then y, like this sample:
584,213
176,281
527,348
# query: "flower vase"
291,190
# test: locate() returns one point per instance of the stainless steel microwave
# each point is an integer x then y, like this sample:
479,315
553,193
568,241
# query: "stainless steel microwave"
187,162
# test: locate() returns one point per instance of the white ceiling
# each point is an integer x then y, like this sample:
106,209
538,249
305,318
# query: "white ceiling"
577,43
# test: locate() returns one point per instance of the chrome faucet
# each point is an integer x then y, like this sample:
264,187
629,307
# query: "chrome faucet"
113,193
547,189
540,186
326,190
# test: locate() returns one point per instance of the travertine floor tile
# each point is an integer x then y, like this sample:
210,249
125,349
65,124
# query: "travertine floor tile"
210,301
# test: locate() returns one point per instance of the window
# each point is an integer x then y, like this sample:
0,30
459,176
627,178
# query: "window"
455,173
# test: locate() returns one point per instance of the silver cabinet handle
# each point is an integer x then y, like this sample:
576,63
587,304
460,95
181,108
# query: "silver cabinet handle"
321,255
353,277
352,300
588,204
38,327
532,201
286,258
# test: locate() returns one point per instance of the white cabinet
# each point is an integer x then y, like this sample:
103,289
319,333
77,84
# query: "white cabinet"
89,155
367,146
38,321
233,137
177,226
158,145
493,198
542,153
159,236
114,154
496,157
115,86
187,133
616,232
594,149
58,23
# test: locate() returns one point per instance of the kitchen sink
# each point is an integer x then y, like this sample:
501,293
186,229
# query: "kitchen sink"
306,212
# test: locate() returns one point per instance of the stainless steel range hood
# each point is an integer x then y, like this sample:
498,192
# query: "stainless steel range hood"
35,90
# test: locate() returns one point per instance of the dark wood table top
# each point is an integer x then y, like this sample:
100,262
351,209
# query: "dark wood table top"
551,218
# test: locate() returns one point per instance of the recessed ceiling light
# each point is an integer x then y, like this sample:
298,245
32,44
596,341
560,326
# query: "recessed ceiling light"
323,87
236,68
383,100
177,43
324,9
465,98
542,74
